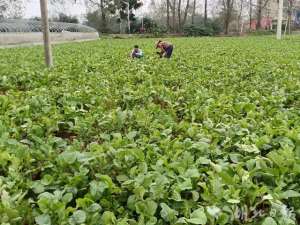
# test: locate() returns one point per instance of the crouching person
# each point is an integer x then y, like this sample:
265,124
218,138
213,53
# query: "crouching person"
137,52
166,49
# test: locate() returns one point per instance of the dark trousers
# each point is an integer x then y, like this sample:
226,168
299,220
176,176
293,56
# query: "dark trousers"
169,51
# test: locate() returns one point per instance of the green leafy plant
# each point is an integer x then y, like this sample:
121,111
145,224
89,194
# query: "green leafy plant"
210,136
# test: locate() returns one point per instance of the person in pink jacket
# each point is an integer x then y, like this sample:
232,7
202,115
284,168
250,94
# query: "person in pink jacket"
166,49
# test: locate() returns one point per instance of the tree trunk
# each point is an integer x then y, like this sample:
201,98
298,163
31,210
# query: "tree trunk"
194,12
261,5
168,14
240,15
103,16
285,27
242,28
228,6
290,19
290,10
259,14
179,15
205,11
226,26
185,13
279,20
174,16
250,14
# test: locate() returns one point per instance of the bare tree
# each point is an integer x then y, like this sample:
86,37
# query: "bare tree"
227,13
289,12
250,14
240,13
194,12
173,7
103,14
176,6
205,11
186,12
101,6
174,12
158,10
168,14
11,8
261,5
179,15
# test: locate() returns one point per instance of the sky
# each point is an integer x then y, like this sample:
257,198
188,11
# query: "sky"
32,9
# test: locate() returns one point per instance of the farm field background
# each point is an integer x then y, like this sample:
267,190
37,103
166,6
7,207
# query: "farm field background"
211,136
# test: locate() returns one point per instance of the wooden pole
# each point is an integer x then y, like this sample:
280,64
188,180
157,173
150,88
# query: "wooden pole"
279,19
46,33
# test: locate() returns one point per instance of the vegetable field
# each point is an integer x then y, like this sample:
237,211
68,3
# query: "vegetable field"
211,136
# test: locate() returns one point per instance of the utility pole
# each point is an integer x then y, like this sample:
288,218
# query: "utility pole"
46,33
279,19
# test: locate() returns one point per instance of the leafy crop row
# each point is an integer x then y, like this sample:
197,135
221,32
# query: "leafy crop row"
211,136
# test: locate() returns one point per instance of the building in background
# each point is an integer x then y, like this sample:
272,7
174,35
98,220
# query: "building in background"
270,11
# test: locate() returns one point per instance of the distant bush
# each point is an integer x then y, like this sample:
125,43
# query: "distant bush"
262,32
211,28
65,18
193,30
151,27
159,31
